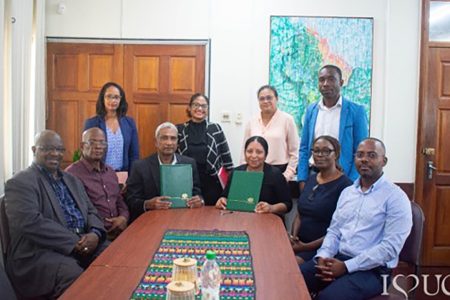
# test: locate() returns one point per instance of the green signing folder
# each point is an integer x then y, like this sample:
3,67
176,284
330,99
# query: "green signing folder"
176,183
244,190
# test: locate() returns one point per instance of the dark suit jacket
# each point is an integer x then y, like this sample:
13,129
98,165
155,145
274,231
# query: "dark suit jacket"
130,137
144,183
40,240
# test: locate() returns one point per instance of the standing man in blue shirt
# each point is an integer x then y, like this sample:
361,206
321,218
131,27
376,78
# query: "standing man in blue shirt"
369,227
335,116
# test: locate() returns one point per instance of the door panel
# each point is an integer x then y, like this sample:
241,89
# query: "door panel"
158,81
76,73
146,74
442,236
66,123
182,75
148,117
64,80
433,186
177,113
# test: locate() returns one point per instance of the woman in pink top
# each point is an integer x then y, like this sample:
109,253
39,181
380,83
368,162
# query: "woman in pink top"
279,129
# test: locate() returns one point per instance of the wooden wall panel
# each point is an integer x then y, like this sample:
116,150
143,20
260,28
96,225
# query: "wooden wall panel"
78,71
146,74
443,124
148,117
442,236
158,81
445,78
182,75
66,124
177,113
61,79
100,70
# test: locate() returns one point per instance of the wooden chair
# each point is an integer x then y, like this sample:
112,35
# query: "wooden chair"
411,251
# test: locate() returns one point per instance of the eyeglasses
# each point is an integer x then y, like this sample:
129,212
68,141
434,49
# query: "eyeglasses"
113,97
322,152
202,106
102,144
312,194
369,155
266,98
48,149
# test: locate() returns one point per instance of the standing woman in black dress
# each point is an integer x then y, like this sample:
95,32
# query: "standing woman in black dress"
206,143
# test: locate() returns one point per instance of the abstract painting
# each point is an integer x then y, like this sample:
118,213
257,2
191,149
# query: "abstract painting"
300,46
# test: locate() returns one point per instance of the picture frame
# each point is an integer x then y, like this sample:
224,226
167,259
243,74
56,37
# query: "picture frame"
301,45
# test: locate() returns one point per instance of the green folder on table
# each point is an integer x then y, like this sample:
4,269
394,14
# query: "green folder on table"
176,183
244,190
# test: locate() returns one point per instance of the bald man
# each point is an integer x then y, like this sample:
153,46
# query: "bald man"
369,227
55,230
100,182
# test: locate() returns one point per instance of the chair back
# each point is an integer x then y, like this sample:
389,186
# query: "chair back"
413,245
410,252
4,227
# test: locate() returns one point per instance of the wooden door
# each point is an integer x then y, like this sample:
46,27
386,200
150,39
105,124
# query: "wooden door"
75,74
433,144
159,80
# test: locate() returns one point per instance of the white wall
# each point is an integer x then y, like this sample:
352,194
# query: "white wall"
240,30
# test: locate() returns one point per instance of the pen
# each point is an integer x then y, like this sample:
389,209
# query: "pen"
226,212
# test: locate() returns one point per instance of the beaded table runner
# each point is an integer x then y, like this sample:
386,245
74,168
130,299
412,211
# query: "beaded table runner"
233,256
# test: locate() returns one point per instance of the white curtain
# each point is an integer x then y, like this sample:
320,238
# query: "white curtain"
40,67
23,82
5,67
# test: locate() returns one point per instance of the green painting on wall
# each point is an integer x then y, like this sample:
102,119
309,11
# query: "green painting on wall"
300,46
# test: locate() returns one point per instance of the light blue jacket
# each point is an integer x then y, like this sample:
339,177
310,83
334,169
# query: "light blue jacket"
353,128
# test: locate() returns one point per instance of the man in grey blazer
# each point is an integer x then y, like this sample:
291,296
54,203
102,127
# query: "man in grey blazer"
55,230
143,184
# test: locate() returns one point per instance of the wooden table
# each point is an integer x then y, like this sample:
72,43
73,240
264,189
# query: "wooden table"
117,272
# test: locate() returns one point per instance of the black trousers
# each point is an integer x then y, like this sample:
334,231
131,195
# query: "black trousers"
211,188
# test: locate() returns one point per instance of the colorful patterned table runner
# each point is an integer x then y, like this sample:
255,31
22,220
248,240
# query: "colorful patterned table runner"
233,256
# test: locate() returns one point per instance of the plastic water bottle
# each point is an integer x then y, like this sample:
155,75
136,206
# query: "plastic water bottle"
210,278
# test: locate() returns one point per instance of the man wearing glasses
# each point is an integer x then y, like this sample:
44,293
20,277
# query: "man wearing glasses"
54,228
335,116
369,227
101,182
144,182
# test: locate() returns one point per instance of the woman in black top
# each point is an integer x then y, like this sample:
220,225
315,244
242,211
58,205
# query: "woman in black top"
206,143
274,196
318,199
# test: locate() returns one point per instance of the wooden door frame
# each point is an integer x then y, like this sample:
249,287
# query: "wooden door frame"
423,189
201,42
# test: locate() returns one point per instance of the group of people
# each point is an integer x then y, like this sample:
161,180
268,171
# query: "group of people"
350,225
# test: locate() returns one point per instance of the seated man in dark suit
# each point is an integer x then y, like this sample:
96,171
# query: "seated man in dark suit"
55,230
6,289
143,184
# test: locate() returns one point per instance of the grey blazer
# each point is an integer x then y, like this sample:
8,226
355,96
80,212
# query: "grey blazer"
40,241
144,182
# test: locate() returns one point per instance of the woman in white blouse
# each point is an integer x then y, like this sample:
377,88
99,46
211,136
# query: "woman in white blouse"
279,129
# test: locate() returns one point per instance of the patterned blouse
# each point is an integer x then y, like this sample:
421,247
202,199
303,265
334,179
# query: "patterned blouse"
114,155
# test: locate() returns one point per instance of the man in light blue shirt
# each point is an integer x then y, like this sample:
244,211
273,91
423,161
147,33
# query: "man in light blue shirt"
369,227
